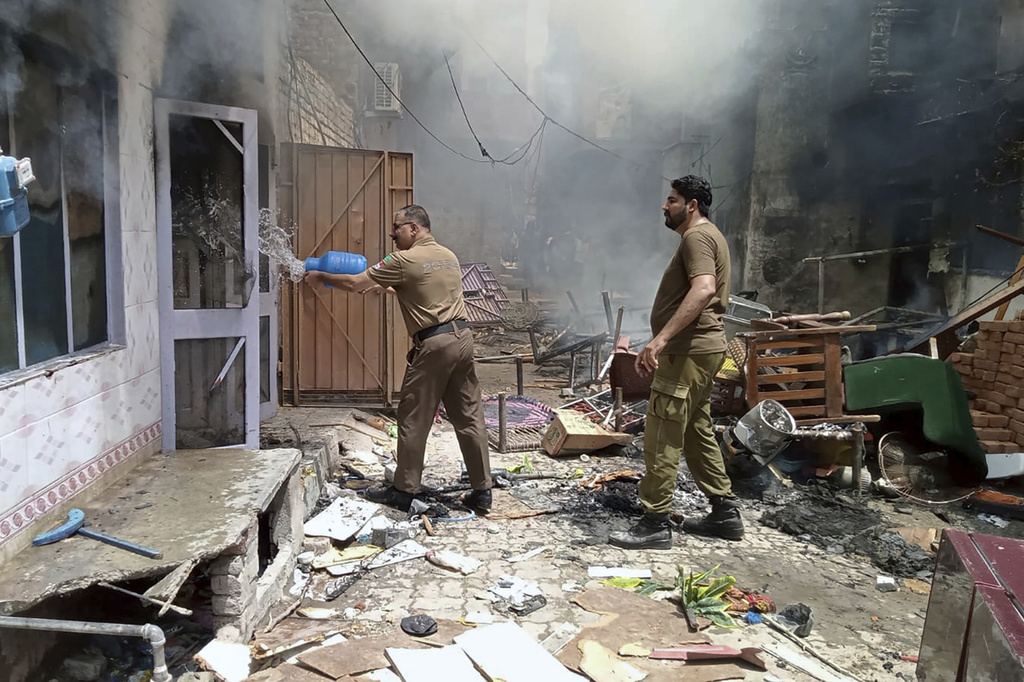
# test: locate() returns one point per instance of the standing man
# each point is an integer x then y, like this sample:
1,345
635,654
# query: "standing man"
685,354
427,279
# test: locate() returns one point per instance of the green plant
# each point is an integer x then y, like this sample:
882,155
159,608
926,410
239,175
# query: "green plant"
705,600
524,467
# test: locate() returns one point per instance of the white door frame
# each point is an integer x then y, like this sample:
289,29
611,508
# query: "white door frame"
241,323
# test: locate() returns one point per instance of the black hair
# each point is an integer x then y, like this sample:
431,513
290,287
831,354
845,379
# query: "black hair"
414,213
694,187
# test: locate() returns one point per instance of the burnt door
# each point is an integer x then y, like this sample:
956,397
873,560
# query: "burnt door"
342,348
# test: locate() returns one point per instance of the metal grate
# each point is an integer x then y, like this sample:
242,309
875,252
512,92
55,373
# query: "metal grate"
383,100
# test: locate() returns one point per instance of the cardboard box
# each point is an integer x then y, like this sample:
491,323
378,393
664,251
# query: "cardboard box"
571,433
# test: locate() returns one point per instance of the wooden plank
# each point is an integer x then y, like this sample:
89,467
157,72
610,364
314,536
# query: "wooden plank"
833,377
807,411
803,394
791,360
325,348
354,656
967,315
373,320
505,651
818,331
341,377
354,222
789,343
306,236
847,419
430,665
790,377
751,372
1001,313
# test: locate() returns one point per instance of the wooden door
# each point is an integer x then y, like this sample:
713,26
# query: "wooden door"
342,348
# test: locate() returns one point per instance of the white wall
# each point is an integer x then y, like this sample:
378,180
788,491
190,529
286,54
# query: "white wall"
61,432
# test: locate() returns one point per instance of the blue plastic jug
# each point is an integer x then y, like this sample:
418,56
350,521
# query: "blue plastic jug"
338,263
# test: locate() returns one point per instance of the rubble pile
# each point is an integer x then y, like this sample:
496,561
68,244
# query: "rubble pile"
994,372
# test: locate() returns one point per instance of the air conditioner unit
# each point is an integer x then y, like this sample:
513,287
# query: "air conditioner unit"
383,99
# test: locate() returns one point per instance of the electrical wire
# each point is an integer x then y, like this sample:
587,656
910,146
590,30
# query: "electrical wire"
554,121
483,151
394,94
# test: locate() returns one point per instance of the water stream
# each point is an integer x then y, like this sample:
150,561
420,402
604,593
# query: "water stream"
275,241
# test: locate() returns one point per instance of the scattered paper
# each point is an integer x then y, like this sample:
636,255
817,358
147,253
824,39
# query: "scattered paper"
335,556
341,520
299,582
231,662
618,572
479,618
316,613
515,589
403,551
527,555
600,663
330,641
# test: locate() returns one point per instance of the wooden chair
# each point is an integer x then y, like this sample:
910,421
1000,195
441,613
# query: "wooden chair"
800,368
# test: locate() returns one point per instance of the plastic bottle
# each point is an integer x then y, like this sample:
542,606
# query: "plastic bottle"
338,263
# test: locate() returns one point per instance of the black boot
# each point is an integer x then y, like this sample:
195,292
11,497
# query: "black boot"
723,522
390,496
478,500
651,532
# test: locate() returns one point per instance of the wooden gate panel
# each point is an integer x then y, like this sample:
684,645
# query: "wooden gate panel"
399,194
340,348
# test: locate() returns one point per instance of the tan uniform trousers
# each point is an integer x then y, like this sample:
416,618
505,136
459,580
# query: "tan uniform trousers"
442,368
679,424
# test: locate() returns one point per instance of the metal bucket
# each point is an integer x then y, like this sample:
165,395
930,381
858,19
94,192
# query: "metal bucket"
766,430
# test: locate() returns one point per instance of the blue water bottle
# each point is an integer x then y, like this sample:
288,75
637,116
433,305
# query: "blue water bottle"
338,263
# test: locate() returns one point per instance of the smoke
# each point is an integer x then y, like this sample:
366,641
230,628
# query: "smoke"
627,76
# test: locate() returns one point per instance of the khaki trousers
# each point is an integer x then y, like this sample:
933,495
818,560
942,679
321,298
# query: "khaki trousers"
679,424
441,368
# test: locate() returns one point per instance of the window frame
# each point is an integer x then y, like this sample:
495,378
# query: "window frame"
32,48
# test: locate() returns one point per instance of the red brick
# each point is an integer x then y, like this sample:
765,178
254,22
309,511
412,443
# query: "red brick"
1005,401
1020,439
990,346
1013,337
1020,403
994,326
977,373
1015,392
1017,359
980,419
980,354
1017,327
991,446
1007,348
989,377
962,358
986,365
1016,426
1005,367
1017,371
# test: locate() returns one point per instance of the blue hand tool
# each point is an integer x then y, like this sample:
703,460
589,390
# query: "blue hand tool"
76,523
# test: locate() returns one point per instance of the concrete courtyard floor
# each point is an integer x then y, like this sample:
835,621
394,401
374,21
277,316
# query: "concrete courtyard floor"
855,626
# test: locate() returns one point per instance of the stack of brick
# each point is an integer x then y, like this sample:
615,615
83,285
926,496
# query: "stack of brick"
994,372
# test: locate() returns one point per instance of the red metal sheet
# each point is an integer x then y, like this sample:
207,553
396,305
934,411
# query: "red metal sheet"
1007,558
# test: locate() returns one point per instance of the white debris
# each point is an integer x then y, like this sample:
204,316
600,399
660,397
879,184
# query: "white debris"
479,618
232,662
330,641
527,555
306,558
571,586
618,572
997,521
447,559
885,583
515,589
342,519
403,551
300,581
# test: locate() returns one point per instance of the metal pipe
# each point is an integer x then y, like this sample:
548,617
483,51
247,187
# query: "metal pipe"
520,388
151,633
502,424
882,252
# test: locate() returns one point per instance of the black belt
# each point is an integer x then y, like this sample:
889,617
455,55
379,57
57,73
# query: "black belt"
424,334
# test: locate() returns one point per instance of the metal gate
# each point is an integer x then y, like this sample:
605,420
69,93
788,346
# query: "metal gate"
341,348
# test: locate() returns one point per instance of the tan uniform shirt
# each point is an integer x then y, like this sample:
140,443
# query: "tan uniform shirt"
428,281
702,251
